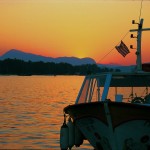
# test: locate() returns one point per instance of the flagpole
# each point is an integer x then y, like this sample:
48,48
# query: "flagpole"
138,52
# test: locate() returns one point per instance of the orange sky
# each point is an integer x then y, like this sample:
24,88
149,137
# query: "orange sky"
80,28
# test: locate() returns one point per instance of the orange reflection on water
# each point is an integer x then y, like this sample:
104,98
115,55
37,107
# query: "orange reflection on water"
31,109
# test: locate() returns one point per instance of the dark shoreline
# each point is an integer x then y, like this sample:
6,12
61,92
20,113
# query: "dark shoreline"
22,68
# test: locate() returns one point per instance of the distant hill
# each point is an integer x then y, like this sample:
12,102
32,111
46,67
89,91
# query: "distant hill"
121,68
12,54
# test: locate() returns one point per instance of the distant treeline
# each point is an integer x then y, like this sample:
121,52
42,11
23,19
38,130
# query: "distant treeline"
20,67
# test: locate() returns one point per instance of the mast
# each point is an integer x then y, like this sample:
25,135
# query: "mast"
139,36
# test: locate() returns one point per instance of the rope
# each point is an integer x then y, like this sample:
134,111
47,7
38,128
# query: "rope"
112,48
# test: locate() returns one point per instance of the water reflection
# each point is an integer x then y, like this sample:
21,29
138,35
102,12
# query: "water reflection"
31,109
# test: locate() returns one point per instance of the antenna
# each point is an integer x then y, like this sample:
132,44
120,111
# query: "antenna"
140,10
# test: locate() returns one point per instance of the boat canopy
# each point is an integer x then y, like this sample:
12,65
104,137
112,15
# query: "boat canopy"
101,84
126,80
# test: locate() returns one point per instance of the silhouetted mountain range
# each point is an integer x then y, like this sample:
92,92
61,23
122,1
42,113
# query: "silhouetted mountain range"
12,54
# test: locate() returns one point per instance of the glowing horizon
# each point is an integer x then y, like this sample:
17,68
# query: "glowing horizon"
82,28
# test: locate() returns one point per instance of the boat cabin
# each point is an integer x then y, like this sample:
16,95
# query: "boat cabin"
119,87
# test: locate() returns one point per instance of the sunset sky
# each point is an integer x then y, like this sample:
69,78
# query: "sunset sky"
80,28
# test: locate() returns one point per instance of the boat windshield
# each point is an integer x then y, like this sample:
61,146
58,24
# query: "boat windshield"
115,88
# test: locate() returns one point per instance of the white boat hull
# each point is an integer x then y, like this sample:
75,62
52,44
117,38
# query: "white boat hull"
131,135
113,125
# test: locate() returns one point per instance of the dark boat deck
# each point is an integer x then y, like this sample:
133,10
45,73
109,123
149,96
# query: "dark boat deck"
120,112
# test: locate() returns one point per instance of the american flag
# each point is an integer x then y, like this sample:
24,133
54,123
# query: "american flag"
122,49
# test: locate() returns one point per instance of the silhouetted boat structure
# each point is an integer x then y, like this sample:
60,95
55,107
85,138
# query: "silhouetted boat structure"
146,67
112,110
24,74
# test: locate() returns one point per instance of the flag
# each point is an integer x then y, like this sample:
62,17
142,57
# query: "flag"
122,49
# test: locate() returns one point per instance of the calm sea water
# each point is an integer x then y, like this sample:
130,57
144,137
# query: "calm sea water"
31,110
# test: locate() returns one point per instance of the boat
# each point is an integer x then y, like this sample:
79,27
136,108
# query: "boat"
112,110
